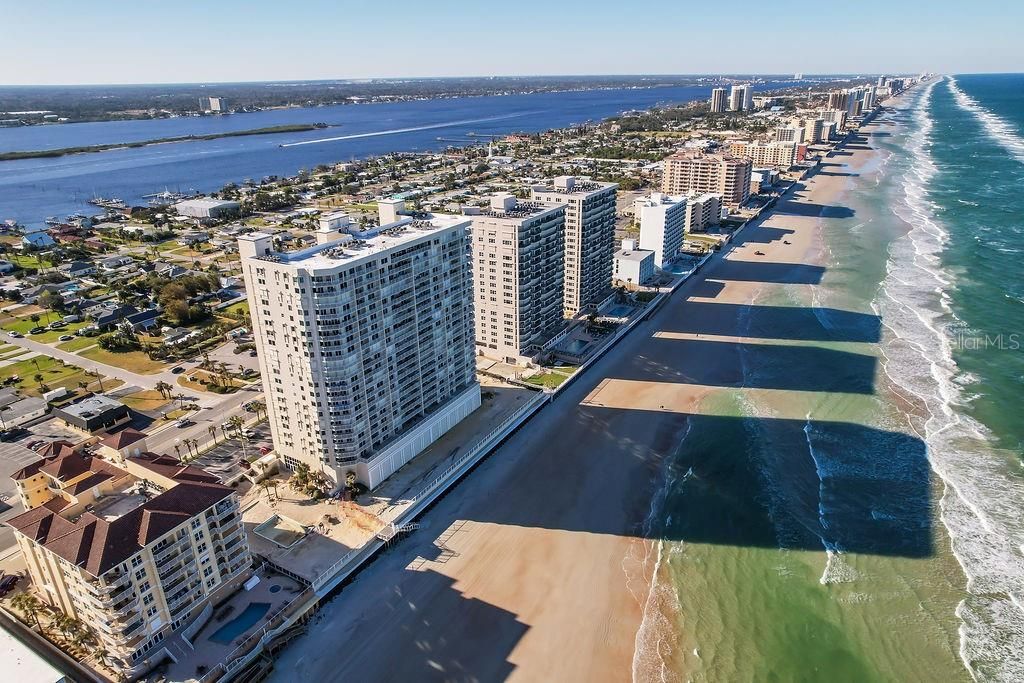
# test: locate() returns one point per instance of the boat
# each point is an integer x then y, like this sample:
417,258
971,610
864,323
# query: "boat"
108,202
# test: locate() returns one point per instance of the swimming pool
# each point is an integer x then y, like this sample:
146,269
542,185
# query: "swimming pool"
576,346
620,311
227,633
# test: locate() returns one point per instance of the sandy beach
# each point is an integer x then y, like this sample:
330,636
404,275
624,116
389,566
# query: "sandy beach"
538,566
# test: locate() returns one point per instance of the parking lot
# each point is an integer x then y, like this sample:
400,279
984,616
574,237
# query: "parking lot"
224,458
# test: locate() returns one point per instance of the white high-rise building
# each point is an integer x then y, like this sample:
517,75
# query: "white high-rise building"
518,273
718,100
662,221
366,342
589,237
748,97
869,100
736,98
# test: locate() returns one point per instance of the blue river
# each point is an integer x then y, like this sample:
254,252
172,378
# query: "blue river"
33,189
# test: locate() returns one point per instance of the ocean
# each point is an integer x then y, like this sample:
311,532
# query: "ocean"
868,527
33,189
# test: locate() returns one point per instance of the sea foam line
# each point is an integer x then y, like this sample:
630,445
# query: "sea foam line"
980,502
998,128
411,129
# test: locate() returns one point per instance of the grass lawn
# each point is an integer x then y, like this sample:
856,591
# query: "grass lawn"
48,337
550,380
77,344
185,381
54,375
240,307
11,351
133,361
149,399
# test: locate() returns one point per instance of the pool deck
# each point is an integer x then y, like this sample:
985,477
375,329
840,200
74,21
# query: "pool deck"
209,653
351,525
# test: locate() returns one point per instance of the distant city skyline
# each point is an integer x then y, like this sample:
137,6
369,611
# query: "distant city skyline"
66,43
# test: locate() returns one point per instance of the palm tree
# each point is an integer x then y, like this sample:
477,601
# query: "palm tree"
195,446
236,423
97,376
181,399
213,432
164,388
38,378
29,605
177,450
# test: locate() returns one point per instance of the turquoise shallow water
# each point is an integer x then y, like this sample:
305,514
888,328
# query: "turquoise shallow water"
878,536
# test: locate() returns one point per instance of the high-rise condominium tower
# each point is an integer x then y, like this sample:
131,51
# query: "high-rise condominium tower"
589,237
366,342
518,273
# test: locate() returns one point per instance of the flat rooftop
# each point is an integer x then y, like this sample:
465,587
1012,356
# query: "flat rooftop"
633,254
351,247
92,406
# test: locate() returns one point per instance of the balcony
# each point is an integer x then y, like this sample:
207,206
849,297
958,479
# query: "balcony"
185,598
165,553
123,607
118,581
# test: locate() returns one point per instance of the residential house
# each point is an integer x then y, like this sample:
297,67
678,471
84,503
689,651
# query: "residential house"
76,269
112,263
143,320
37,240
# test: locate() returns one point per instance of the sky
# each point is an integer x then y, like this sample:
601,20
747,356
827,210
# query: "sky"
186,41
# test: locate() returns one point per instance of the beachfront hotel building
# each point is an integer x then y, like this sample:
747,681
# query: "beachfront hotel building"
718,100
836,116
662,220
812,130
776,154
366,342
136,546
518,272
689,171
702,211
589,238
790,133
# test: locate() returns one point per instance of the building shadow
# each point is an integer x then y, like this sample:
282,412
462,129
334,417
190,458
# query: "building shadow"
424,629
776,322
763,366
762,234
778,273
810,485
814,210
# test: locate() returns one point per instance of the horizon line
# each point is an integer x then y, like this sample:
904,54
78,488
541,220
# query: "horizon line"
356,79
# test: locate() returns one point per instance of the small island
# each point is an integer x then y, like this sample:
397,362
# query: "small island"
64,151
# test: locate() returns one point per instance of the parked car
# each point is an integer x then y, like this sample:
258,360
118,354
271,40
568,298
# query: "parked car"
16,335
57,324
65,337
37,330
248,433
32,445
252,353
7,583
184,422
177,370
13,434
